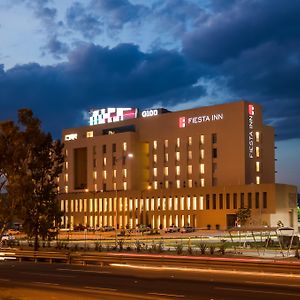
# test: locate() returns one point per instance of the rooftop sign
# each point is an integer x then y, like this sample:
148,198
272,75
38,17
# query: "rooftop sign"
185,121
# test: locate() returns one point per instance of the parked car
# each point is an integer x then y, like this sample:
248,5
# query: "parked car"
107,228
187,229
12,231
172,229
79,227
7,239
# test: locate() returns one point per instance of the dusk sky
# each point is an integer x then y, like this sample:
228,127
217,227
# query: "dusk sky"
63,57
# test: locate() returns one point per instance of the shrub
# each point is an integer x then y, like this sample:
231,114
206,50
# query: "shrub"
179,248
202,247
212,249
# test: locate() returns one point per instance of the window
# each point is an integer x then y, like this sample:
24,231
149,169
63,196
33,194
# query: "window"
257,136
214,200
227,201
154,172
155,158
166,184
214,167
190,156
190,183
155,185
114,147
166,143
115,173
190,141
207,201
166,157
214,138
202,154
190,169
235,201
66,177
257,151
257,166
264,199
242,200
89,134
201,200
94,163
66,165
257,180
201,139
202,182
177,156
125,185
166,171
256,200
125,173
177,170
103,148
178,142
220,201
95,175
154,145
178,183
214,153
124,146
249,200
201,168
105,174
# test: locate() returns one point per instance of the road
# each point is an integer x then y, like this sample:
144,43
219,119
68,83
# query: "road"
28,280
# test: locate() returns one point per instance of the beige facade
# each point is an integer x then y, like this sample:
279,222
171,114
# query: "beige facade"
192,167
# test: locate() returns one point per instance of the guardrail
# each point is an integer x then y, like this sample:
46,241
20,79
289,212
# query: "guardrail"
103,259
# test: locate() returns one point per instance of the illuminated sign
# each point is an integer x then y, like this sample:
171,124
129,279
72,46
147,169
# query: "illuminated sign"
149,113
251,113
185,121
71,137
111,115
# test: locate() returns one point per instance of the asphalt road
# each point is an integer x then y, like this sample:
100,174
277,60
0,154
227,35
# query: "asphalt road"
28,280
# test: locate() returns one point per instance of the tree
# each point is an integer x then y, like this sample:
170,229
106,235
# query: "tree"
243,215
35,185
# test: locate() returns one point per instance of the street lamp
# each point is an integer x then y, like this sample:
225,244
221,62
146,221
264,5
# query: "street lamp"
129,155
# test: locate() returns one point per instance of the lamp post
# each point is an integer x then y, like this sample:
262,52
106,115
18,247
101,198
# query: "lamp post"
129,155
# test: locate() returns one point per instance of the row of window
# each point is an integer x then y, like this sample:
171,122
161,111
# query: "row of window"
204,202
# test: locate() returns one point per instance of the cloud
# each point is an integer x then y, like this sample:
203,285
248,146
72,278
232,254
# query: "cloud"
80,19
56,47
95,76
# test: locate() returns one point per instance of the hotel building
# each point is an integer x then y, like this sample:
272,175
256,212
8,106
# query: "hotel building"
194,167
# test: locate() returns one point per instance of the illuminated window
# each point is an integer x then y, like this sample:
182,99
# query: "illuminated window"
190,156
124,146
104,161
178,142
176,203
66,177
66,152
201,168
257,136
201,139
166,171
66,189
257,151
190,169
115,173
125,185
104,174
155,145
167,184
177,170
177,155
115,186
89,134
166,157
190,183
155,185
178,183
257,166
125,173
155,158
95,174
182,203
202,154
190,141
257,180
154,172
66,165
202,182
166,143
95,187
201,202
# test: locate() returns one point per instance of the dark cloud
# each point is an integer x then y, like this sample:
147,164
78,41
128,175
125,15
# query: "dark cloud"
56,47
95,77
80,19
255,47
